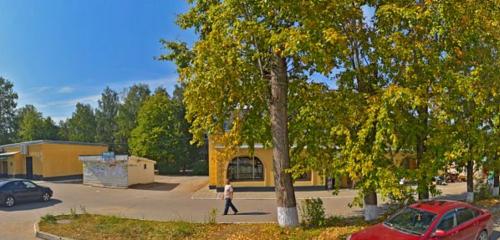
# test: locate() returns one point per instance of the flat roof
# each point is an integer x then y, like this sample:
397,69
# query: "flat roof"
53,142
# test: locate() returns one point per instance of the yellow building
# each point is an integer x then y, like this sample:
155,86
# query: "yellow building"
256,172
250,172
45,159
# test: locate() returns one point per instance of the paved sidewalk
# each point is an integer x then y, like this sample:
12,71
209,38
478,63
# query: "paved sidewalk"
205,193
170,198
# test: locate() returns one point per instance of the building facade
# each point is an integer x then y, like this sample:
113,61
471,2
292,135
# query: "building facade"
255,171
117,171
45,159
250,171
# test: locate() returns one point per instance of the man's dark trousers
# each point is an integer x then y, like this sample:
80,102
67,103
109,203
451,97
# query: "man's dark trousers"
229,203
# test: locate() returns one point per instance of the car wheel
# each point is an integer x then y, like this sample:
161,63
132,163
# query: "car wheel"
483,235
45,196
9,201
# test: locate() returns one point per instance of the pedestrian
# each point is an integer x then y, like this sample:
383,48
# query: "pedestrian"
228,196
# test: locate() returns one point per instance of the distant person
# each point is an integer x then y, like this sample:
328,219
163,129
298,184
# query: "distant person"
228,196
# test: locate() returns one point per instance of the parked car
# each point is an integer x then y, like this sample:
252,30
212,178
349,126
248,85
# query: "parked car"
432,220
439,180
13,191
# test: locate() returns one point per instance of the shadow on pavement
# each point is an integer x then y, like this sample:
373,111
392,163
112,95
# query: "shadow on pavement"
30,206
156,186
456,197
252,213
496,235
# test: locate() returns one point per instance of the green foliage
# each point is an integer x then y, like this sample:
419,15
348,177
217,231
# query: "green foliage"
82,126
126,118
154,136
313,212
200,167
49,219
8,103
212,216
33,126
482,192
105,116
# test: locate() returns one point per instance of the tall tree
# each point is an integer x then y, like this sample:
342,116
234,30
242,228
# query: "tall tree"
126,118
33,126
82,124
241,67
186,153
471,60
155,134
105,116
8,105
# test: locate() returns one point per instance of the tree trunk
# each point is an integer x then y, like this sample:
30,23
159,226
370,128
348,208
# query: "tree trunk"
496,183
423,185
370,205
470,181
285,194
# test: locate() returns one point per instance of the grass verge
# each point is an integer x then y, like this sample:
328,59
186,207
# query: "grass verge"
87,226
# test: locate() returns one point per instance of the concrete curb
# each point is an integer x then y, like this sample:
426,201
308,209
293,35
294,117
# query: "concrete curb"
47,236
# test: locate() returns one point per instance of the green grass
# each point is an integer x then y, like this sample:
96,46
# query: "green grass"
89,226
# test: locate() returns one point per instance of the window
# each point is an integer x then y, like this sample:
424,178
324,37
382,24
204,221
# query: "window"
29,184
411,220
464,215
145,166
245,169
448,222
304,177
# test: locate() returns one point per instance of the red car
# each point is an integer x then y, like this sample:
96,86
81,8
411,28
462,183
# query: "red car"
432,220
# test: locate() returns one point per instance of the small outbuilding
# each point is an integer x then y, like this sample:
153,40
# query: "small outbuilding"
45,159
117,171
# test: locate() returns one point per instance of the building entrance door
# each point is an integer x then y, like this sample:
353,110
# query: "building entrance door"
4,171
29,167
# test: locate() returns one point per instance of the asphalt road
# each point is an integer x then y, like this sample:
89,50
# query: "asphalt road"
168,199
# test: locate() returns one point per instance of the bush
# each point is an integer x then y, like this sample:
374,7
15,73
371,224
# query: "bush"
166,168
482,192
313,212
50,219
200,167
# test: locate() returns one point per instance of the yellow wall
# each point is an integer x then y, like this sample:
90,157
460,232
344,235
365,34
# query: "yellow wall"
136,172
62,159
219,161
51,159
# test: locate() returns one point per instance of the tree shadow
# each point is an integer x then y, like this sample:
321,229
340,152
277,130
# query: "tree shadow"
156,186
495,235
30,206
252,213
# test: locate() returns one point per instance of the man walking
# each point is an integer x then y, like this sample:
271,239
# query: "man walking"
228,196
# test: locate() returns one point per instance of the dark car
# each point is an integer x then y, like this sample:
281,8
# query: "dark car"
13,191
432,220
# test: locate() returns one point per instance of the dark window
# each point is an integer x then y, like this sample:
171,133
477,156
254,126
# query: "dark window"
15,185
245,169
145,166
464,215
305,177
448,222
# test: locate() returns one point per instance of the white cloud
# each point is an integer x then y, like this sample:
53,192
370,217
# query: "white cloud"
92,100
66,89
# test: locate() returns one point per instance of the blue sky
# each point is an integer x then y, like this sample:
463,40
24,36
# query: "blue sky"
61,52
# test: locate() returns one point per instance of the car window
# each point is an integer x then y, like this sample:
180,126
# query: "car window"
29,184
464,215
411,220
448,222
